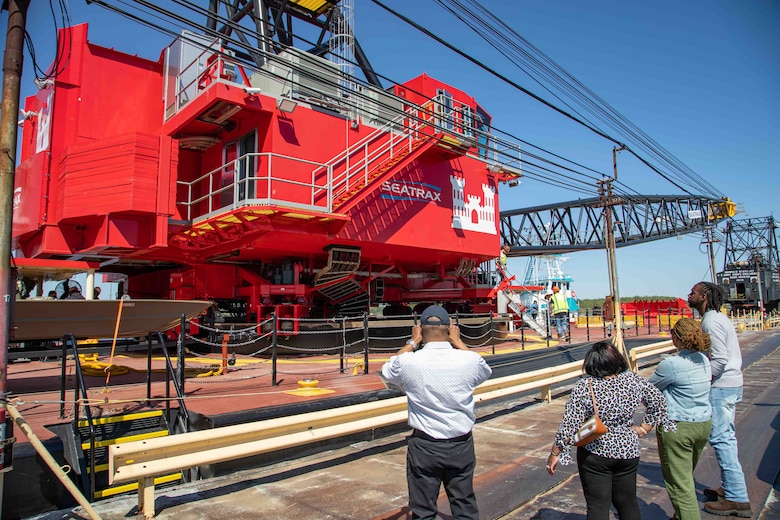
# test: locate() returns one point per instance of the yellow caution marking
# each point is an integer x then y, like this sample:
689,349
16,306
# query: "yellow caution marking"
298,215
122,418
132,486
129,438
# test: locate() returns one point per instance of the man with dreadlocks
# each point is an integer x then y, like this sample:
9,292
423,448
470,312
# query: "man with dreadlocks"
725,393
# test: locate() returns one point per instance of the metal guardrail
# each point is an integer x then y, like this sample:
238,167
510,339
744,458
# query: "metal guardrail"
193,65
253,179
141,461
654,349
754,320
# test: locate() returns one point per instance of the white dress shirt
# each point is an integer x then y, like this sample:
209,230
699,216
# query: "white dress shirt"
439,383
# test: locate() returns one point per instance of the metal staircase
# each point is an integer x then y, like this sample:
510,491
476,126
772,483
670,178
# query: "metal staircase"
531,276
86,439
367,163
354,306
377,290
515,303
336,281
352,184
86,447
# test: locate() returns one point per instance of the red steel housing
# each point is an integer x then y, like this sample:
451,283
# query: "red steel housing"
203,179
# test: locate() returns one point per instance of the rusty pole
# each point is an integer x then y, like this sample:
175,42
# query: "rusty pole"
13,58
709,236
608,202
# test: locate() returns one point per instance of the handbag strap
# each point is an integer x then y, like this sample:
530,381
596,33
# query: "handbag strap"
593,397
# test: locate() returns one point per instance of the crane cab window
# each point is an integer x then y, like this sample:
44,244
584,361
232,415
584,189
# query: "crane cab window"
444,104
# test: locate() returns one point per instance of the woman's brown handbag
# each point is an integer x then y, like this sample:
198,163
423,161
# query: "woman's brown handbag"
593,428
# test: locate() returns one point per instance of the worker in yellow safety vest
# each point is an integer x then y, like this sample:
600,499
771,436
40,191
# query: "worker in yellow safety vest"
560,313
501,261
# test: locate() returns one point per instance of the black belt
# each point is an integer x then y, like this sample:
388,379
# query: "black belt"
422,435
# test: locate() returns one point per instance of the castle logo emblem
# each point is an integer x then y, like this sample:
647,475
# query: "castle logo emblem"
471,212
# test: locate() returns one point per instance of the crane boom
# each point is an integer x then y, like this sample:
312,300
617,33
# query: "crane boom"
579,225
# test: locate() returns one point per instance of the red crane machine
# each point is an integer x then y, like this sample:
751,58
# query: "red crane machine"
269,189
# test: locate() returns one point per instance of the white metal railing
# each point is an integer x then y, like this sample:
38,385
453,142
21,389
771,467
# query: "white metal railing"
355,165
506,153
255,179
455,118
188,73
193,64
458,120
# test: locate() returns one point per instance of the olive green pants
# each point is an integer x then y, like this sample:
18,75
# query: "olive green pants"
679,452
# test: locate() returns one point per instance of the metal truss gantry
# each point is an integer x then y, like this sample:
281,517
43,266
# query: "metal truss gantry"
579,225
747,238
268,25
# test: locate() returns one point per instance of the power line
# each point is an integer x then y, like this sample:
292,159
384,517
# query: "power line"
545,174
548,174
62,54
670,177
560,79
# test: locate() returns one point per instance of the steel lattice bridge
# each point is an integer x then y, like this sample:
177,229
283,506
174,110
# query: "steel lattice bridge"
579,225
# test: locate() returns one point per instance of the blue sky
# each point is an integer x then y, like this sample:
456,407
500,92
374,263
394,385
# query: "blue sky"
699,77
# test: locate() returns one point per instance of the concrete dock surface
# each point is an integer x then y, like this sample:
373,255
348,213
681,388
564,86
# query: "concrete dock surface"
366,479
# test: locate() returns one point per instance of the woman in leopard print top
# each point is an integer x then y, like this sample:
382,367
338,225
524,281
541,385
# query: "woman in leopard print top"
608,465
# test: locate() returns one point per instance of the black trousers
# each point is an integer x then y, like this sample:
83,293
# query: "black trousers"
608,482
429,463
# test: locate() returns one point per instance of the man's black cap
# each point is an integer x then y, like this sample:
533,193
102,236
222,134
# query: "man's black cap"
435,315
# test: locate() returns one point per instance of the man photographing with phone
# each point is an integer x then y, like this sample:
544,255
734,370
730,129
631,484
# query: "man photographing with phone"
439,381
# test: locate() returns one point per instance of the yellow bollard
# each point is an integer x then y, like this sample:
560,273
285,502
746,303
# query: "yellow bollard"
308,387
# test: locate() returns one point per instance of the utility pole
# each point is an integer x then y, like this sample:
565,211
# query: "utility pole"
757,258
709,239
608,201
13,58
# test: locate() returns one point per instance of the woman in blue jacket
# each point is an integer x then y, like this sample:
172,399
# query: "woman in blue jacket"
684,380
